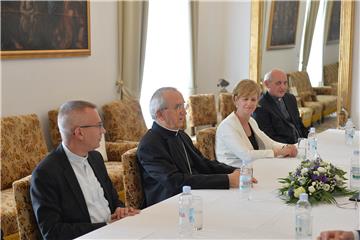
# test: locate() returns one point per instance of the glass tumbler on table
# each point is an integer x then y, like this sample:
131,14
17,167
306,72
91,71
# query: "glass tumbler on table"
301,147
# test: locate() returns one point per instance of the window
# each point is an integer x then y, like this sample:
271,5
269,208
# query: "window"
168,50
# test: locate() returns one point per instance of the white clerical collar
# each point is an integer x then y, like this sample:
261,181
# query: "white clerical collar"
175,131
72,156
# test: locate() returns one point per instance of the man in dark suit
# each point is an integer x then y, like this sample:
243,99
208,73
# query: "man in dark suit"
70,189
167,157
277,114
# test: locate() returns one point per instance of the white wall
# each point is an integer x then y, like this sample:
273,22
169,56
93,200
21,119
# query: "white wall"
286,59
224,40
39,85
355,101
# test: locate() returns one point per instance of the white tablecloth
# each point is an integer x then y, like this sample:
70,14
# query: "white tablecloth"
264,217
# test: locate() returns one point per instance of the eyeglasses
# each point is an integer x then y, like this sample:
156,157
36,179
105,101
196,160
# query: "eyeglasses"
99,125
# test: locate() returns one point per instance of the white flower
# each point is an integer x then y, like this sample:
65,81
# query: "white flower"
311,189
326,187
285,185
313,183
298,191
304,170
302,180
321,169
337,178
316,173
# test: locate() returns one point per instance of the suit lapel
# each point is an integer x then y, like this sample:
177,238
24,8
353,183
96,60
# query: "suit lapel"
274,108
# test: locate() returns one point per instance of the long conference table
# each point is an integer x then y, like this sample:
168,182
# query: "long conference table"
265,216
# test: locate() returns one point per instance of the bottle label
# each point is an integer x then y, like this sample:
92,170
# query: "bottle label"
245,182
355,173
303,227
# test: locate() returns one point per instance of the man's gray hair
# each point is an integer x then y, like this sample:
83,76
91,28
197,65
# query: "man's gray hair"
66,117
157,101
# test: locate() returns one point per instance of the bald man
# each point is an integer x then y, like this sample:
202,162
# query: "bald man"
278,115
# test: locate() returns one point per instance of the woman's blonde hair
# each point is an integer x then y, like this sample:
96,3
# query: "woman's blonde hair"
246,88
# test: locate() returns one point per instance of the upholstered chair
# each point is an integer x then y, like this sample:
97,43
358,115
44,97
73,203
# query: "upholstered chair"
330,73
124,122
112,159
226,105
22,148
26,221
299,87
305,113
202,111
134,194
205,139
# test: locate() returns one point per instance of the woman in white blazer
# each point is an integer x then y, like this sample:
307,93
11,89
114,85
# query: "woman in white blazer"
238,137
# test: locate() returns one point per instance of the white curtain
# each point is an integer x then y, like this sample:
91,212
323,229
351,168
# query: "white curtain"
309,26
132,20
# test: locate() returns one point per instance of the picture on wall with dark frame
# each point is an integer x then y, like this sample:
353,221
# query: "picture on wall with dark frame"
282,24
45,29
334,24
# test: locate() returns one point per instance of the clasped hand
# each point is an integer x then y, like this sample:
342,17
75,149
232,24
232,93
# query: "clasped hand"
122,213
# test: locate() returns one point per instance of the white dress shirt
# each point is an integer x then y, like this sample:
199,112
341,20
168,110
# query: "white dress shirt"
96,202
233,146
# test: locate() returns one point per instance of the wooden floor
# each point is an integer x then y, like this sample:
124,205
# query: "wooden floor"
329,122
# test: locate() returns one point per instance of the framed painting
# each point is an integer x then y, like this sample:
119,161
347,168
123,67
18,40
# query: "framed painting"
334,23
282,24
32,29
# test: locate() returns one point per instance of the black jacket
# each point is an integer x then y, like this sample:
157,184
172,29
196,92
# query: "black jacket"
165,170
272,121
58,202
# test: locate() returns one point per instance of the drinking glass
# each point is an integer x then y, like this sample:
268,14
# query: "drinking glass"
301,147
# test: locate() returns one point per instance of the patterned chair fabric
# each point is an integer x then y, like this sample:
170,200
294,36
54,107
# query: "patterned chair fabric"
124,121
22,148
205,139
331,74
202,111
113,151
226,105
28,228
301,81
306,115
134,195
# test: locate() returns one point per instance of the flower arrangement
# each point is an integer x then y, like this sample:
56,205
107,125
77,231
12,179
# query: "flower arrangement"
321,180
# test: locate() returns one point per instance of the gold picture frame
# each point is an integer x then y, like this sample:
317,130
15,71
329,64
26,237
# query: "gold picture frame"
45,29
282,24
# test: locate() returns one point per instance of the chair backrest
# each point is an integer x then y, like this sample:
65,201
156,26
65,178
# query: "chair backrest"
134,194
226,105
55,136
202,110
123,120
205,142
27,225
301,81
22,147
331,74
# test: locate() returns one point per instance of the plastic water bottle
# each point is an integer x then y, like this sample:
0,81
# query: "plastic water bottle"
303,220
355,171
186,213
245,181
311,151
349,132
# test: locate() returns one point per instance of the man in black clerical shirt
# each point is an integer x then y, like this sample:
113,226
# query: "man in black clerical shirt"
167,157
278,114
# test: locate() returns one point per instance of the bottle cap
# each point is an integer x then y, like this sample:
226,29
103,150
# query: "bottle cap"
186,189
303,197
312,129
